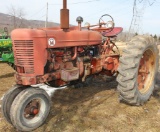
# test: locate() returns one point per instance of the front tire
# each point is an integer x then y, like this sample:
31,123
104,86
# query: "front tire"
137,70
30,109
8,100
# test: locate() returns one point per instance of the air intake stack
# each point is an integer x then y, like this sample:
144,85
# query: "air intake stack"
64,16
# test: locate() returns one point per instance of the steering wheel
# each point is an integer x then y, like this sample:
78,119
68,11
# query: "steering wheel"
107,22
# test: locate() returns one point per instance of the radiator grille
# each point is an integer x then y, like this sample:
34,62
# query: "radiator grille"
24,55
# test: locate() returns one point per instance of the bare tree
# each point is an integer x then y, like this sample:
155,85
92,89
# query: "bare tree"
17,16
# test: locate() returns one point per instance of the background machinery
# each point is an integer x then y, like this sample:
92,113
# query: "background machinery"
6,53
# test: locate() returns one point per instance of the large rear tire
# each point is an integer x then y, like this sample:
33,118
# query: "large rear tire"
137,70
30,109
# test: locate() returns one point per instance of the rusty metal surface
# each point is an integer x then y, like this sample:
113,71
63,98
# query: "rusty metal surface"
31,80
32,109
63,54
64,19
70,74
146,70
64,16
64,4
60,57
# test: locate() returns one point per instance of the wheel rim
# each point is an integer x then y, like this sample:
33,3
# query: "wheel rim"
146,71
34,111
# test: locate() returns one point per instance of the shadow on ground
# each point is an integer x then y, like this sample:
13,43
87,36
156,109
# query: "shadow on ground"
72,105
7,75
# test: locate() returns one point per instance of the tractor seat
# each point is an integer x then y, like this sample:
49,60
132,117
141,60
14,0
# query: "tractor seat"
113,33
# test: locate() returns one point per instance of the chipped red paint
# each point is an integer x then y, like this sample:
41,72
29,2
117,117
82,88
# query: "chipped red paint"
63,54
143,71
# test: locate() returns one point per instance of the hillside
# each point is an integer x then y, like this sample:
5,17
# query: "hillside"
12,22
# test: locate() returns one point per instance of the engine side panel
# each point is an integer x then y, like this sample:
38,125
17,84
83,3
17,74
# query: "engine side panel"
73,38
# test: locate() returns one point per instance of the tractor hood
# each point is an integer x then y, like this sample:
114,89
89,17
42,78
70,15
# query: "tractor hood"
55,37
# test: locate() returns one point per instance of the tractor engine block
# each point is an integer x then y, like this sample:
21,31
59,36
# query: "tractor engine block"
73,63
77,63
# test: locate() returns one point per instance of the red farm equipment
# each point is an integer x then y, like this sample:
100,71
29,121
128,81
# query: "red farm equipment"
68,55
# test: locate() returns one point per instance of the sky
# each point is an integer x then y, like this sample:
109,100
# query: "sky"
91,11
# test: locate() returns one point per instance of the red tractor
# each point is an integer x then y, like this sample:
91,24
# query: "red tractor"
68,55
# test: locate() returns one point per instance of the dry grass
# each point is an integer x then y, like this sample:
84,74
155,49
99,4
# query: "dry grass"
91,109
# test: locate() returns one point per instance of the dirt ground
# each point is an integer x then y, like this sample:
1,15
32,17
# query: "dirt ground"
91,109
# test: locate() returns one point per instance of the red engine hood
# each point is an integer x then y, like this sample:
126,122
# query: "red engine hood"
73,38
55,37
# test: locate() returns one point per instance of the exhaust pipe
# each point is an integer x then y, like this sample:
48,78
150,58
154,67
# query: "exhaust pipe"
64,16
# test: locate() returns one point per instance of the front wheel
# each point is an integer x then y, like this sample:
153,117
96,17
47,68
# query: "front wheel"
8,100
137,70
30,109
